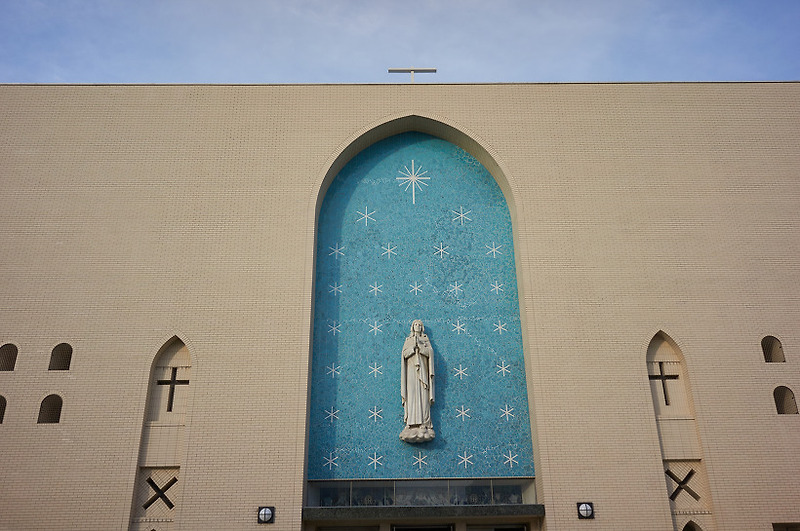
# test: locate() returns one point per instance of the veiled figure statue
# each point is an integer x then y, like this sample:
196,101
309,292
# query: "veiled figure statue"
416,385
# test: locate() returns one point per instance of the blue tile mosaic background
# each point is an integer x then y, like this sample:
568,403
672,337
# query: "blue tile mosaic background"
414,227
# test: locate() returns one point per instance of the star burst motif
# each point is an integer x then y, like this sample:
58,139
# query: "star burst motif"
458,327
441,250
413,178
336,251
461,215
366,216
375,288
460,372
389,250
503,368
494,250
334,370
506,412
416,289
330,461
419,460
375,460
332,414
463,413
465,459
375,328
500,327
455,289
335,288
497,287
334,328
511,460
375,413
375,369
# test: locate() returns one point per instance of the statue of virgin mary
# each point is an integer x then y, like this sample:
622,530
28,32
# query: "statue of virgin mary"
416,385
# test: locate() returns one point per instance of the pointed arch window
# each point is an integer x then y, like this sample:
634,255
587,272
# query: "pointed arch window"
784,401
772,349
50,410
2,408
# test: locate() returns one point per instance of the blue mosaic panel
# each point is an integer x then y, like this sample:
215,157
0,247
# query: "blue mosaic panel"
416,228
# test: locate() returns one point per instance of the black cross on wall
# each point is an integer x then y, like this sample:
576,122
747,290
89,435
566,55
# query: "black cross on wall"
682,484
663,377
172,382
160,493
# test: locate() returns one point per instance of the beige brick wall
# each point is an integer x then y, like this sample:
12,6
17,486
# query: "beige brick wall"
131,214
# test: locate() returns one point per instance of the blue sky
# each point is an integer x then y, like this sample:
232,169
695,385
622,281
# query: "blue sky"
355,41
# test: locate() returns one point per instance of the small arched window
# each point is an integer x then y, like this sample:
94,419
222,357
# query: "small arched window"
8,357
773,350
691,526
2,408
784,401
50,410
61,357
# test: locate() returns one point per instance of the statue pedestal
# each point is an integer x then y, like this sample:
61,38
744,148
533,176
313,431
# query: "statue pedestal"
417,434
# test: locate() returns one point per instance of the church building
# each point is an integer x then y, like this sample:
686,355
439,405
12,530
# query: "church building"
400,307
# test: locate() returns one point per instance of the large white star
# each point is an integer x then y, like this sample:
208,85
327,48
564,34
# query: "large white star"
413,178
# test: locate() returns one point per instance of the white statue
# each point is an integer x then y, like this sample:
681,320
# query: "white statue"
416,385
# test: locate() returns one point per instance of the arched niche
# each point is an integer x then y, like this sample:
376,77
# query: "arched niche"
50,410
772,349
785,402
157,491
432,125
169,375
453,266
668,377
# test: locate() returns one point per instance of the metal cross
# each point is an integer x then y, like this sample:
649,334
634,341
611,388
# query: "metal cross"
160,493
411,71
172,382
682,485
663,377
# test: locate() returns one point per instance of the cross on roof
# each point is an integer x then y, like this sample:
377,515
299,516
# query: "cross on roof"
411,71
